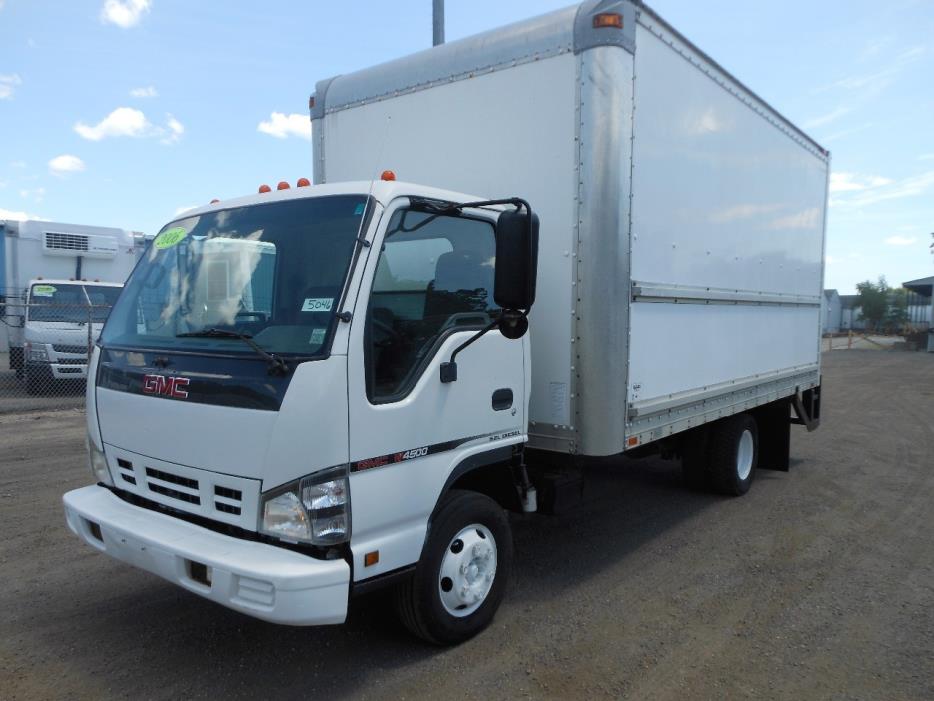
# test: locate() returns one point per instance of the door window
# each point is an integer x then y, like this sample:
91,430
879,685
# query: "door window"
434,276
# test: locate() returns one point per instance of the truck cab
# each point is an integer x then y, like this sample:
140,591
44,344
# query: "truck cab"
276,417
61,321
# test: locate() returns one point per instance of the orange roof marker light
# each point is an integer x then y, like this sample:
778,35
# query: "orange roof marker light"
387,175
608,19
303,182
283,185
215,201
264,188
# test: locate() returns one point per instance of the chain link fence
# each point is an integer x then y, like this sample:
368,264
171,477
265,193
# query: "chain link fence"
44,350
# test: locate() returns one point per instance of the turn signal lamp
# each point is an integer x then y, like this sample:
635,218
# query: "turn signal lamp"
264,188
608,19
387,175
283,185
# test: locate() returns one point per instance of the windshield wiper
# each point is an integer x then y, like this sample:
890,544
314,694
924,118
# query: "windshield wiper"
275,362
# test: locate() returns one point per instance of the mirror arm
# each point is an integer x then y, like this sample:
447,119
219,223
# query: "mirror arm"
449,369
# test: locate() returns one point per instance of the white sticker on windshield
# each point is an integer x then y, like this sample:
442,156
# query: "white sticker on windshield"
318,304
317,336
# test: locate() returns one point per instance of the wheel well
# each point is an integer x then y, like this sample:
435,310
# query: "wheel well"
494,480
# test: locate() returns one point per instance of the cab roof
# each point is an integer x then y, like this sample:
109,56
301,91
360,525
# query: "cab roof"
382,190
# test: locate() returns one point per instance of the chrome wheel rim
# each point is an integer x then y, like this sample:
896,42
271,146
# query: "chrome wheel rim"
744,455
468,570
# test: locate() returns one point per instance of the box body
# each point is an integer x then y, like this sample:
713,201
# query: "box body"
682,218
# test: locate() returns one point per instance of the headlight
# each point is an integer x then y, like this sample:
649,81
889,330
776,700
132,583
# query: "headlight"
314,509
98,463
37,353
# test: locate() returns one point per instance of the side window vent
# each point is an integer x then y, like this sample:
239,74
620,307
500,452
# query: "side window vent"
66,242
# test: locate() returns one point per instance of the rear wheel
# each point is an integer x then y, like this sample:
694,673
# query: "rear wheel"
733,454
460,580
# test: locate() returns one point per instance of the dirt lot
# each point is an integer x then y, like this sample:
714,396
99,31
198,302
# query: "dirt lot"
817,584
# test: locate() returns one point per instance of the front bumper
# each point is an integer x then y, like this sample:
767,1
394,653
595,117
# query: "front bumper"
56,370
263,581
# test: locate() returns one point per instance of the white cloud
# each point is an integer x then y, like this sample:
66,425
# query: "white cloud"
846,132
127,121
926,157
900,241
123,121
827,118
148,91
175,131
881,78
64,164
854,182
282,125
888,190
16,215
124,13
36,194
8,83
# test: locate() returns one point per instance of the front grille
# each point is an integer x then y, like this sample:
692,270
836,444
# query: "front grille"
125,470
174,479
174,493
225,498
71,361
76,350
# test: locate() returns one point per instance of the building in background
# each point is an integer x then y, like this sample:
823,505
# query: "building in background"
921,307
831,312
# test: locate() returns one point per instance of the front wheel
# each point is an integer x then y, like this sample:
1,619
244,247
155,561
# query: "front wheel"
461,578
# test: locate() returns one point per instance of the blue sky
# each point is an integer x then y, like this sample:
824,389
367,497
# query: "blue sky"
121,112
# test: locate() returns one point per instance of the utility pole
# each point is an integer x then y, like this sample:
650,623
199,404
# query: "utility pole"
437,22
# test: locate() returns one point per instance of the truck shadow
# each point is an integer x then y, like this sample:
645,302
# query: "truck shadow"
162,627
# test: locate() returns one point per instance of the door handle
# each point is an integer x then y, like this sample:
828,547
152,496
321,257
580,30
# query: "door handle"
502,399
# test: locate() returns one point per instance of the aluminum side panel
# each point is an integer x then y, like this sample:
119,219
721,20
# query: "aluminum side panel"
680,347
503,133
722,196
602,285
725,198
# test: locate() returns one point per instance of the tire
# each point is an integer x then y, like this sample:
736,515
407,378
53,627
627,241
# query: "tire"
443,603
694,462
733,453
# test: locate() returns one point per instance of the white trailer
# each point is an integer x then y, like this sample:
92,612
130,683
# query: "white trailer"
376,353
37,252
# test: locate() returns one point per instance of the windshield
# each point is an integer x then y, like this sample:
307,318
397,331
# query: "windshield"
71,302
273,272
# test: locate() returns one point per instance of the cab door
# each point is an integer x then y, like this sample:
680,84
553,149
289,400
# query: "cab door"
427,290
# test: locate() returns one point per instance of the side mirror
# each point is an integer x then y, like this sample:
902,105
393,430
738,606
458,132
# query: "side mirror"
516,260
514,277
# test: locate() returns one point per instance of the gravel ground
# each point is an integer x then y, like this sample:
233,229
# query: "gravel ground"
817,584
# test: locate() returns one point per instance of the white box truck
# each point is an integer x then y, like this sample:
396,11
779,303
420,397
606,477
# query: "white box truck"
56,282
356,403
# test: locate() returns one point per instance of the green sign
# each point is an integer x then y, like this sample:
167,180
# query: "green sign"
170,237
43,290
